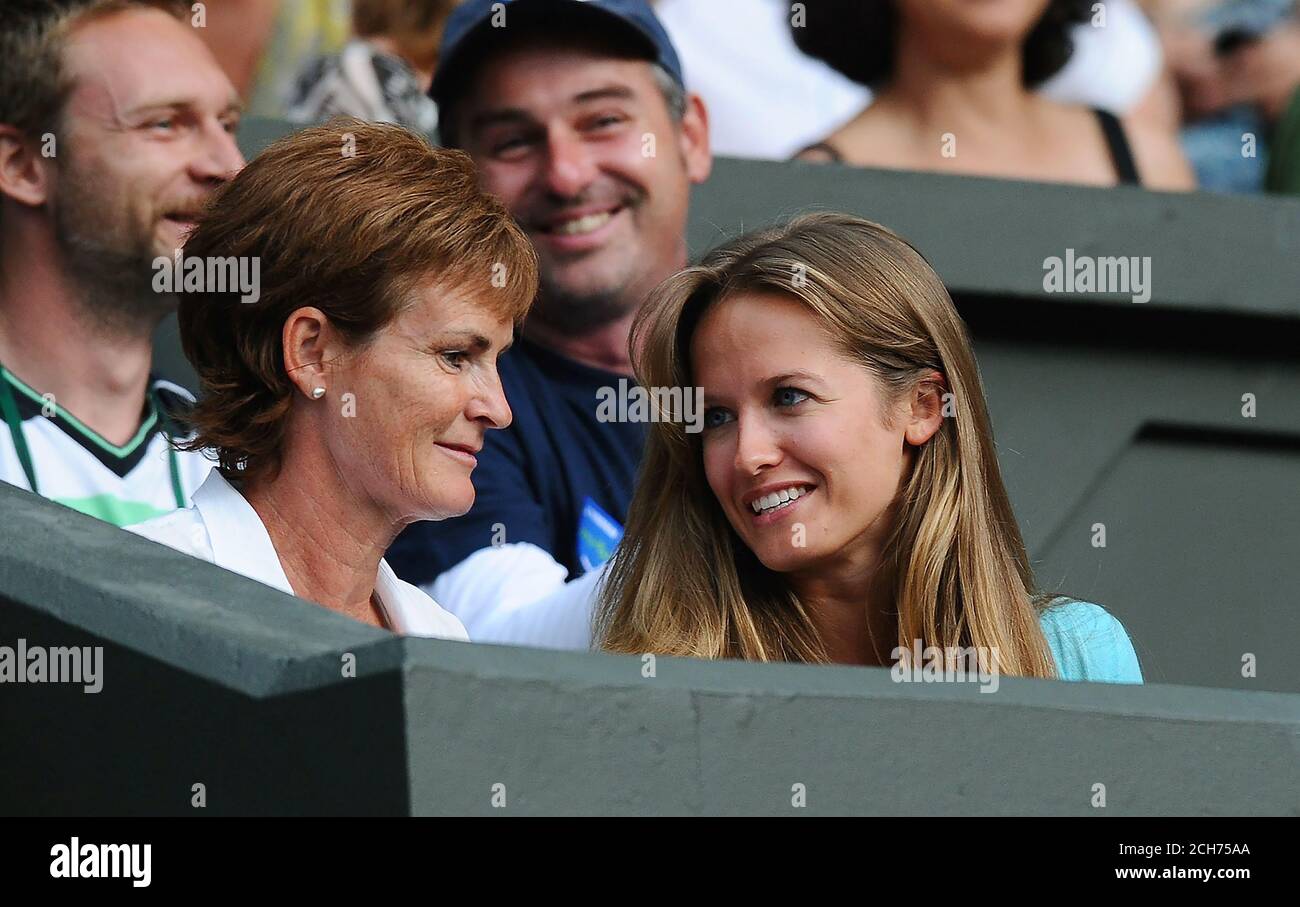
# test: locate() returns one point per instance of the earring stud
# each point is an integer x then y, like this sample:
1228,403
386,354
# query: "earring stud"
317,393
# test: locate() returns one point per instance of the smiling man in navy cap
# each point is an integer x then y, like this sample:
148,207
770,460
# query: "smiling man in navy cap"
576,115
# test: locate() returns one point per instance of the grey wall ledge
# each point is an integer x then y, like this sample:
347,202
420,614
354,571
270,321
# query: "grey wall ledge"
1209,253
211,679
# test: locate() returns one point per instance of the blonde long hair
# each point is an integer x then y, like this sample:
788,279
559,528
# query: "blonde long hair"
684,583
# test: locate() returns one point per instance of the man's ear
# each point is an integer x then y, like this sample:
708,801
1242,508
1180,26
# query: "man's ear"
694,138
24,173
310,343
929,408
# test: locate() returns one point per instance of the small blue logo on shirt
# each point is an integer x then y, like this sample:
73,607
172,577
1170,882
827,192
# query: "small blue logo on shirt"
598,535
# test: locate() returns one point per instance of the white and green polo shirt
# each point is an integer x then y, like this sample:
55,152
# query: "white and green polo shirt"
75,466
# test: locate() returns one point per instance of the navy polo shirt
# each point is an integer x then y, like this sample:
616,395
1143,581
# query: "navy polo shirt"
557,477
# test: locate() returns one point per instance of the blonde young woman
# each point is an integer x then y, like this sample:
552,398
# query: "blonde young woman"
843,500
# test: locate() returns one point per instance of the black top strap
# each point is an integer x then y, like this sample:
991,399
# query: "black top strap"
1120,153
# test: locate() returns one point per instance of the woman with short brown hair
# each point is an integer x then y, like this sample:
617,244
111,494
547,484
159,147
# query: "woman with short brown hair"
346,394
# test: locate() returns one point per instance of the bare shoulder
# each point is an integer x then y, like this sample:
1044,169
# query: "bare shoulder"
870,139
830,149
1159,157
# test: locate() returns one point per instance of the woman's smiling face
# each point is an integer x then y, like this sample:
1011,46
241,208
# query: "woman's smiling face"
424,390
799,449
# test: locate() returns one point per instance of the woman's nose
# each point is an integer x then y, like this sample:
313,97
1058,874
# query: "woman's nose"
757,446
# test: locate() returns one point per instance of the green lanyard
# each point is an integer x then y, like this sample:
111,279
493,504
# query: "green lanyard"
10,408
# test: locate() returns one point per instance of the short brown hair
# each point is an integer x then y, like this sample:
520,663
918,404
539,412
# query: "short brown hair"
348,217
33,82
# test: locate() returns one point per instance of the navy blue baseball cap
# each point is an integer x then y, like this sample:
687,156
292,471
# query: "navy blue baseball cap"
473,21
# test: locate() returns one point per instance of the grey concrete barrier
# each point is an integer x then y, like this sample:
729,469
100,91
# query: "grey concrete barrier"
991,237
216,689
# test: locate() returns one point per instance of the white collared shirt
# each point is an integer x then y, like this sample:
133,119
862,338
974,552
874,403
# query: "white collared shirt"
224,529
515,594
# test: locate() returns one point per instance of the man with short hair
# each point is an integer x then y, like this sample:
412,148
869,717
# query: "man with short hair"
115,126
576,115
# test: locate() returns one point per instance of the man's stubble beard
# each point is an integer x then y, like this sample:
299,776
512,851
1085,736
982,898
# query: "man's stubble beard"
581,311
578,313
110,260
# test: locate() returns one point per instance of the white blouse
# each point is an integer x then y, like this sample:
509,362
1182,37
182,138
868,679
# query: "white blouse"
224,529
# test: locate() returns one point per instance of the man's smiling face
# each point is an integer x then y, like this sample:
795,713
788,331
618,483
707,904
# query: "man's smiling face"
149,135
585,153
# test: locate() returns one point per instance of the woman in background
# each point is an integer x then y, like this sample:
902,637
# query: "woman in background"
844,499
954,92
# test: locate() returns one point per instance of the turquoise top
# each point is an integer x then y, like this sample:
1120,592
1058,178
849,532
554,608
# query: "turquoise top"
1089,643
